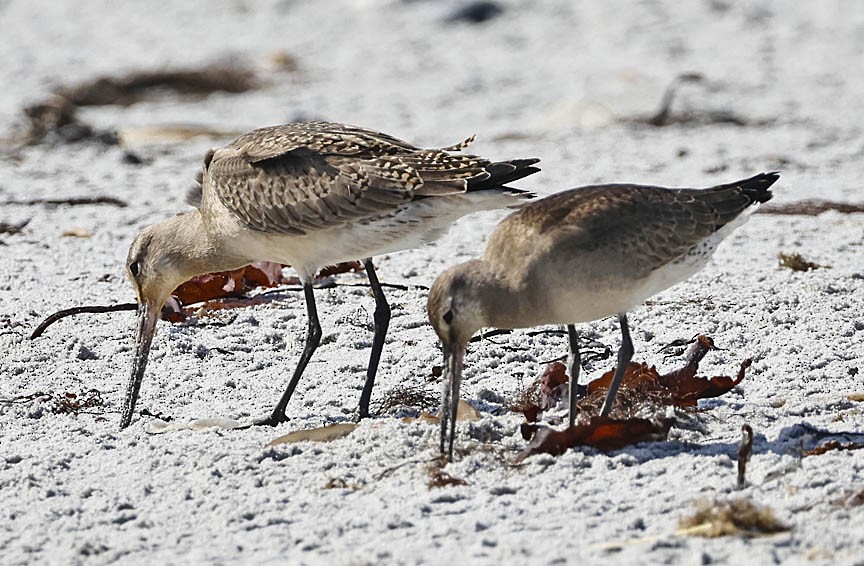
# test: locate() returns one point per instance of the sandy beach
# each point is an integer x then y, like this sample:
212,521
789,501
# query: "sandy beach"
775,87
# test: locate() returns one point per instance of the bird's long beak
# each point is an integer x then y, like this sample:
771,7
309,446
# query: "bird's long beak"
148,315
453,359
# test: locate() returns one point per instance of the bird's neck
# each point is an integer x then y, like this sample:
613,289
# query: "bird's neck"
502,297
200,250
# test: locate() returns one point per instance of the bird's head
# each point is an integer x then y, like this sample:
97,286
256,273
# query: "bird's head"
456,309
455,304
160,258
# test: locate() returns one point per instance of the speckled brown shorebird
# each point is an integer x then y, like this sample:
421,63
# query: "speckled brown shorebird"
581,255
311,194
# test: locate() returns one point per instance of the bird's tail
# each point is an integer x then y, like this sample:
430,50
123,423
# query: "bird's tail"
503,172
756,188
732,204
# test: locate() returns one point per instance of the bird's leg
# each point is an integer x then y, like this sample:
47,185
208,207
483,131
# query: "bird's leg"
382,322
624,356
313,338
576,391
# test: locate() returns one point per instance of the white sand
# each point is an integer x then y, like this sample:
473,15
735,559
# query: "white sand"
555,80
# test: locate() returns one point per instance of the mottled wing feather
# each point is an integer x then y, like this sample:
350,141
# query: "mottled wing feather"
303,177
325,138
651,226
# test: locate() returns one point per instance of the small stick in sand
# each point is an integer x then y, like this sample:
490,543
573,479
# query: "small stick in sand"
745,448
78,310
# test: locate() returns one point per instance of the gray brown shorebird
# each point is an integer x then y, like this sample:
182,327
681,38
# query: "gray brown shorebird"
580,255
310,195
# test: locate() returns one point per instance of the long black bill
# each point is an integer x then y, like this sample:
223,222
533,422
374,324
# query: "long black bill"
148,315
450,399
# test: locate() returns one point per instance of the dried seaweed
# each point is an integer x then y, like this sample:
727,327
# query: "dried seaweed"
56,117
816,441
234,283
137,86
796,262
643,392
603,433
440,478
407,396
212,289
342,483
72,201
63,403
731,517
833,445
810,207
641,385
12,229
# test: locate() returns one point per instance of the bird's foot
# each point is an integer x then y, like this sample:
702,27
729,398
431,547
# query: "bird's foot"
277,418
364,415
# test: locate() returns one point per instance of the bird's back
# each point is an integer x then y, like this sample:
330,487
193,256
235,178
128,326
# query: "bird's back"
298,178
605,231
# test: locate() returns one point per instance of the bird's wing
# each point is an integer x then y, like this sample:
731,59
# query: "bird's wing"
298,178
644,226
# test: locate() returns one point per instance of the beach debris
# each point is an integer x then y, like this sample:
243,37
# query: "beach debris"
644,392
440,478
229,283
661,118
214,290
464,412
745,449
406,397
814,441
832,445
730,517
796,262
665,117
810,207
67,403
603,433
853,499
321,434
171,133
55,118
159,426
12,229
97,309
72,201
77,232
342,483
476,12
126,90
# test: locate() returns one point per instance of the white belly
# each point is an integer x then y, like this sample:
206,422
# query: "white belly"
412,226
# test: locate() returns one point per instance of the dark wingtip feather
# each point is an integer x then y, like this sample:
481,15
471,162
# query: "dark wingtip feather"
756,188
503,172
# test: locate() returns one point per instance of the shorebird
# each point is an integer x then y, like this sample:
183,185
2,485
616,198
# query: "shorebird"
311,194
580,255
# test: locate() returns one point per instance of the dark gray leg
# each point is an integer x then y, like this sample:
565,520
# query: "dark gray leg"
313,338
624,356
575,366
382,322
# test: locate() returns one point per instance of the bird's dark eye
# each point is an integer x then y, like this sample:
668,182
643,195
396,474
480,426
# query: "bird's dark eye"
448,317
135,268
